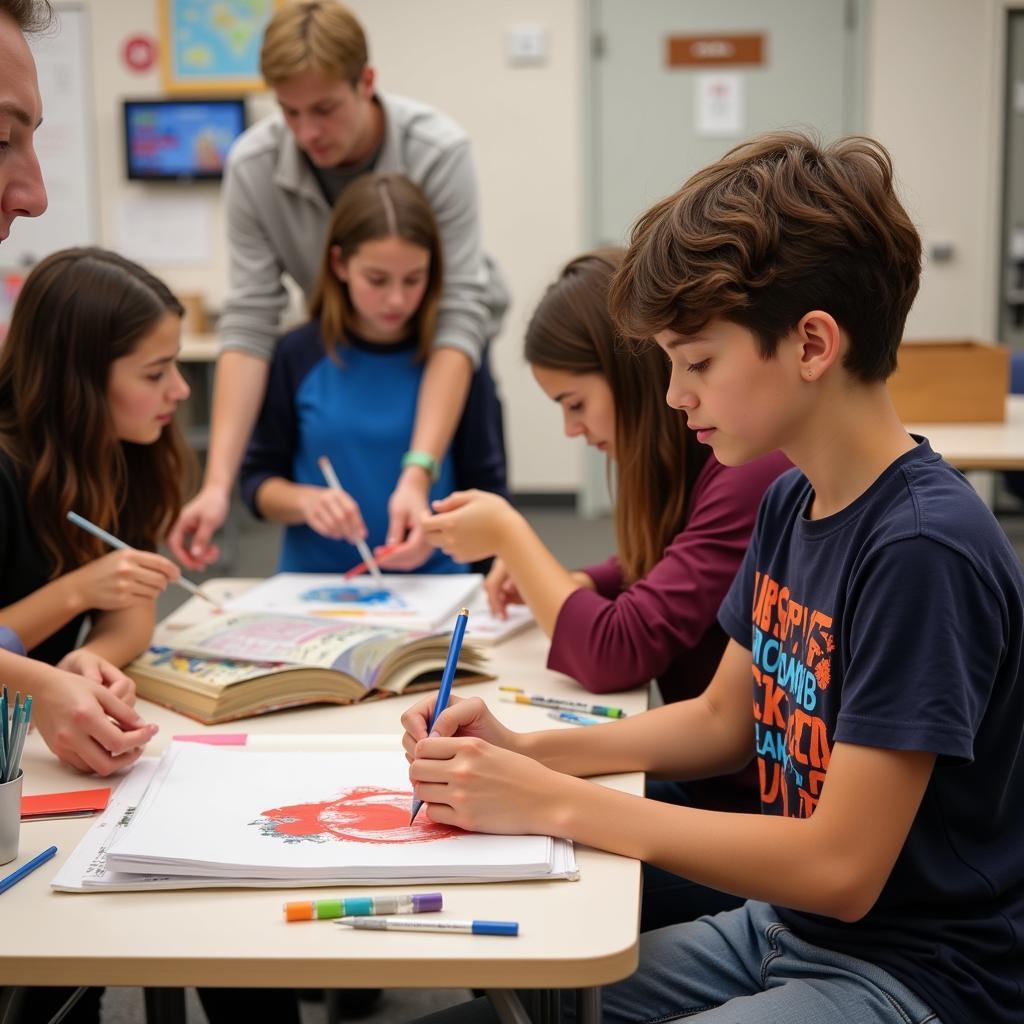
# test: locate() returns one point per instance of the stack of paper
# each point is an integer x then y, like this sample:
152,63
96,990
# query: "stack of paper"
205,816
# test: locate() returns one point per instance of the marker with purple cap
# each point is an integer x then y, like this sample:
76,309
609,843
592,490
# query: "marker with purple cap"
363,906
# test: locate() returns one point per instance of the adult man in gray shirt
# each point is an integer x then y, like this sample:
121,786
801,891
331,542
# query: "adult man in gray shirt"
282,178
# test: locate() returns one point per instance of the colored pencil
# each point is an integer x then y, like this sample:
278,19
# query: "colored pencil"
445,692
335,485
114,542
26,869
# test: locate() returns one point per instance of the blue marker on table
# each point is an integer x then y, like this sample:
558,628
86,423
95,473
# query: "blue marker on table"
26,869
451,663
576,719
418,924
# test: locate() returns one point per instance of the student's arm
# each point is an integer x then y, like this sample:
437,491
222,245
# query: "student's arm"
618,638
464,321
119,636
249,325
442,396
119,580
82,721
492,780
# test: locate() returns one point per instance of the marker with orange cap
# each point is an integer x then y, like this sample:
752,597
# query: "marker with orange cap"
362,906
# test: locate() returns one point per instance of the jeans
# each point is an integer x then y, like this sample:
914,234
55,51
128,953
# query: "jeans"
740,967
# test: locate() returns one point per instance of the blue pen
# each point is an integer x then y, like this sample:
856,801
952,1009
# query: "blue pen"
433,924
26,869
447,676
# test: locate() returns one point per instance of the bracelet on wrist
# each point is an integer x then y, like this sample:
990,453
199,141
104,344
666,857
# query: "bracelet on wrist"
425,461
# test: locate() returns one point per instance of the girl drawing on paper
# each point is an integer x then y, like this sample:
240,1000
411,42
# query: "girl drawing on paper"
345,385
88,390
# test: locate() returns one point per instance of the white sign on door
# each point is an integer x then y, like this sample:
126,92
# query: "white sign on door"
720,106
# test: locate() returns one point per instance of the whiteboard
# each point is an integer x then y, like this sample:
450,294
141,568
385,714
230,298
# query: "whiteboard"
64,143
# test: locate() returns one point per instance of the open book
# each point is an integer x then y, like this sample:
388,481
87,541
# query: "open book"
206,816
236,665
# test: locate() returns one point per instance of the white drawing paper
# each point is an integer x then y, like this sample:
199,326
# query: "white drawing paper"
417,601
306,816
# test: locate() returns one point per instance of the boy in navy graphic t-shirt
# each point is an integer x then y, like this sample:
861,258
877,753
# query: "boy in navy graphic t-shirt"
875,667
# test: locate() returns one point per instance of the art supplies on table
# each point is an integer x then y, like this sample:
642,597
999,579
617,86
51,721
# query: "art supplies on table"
241,664
363,906
517,695
78,803
26,869
286,819
12,734
575,718
410,924
119,545
413,601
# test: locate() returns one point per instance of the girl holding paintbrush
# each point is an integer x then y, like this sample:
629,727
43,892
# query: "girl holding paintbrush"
345,386
88,389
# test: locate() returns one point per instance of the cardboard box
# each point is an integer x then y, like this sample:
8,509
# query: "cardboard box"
951,382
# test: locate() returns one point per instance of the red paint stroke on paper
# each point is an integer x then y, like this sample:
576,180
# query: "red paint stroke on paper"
364,815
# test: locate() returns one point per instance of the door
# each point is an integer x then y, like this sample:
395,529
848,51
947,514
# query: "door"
673,84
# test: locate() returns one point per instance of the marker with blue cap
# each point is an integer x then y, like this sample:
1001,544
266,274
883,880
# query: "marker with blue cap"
419,924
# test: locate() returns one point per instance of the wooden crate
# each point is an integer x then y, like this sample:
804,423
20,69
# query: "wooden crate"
951,382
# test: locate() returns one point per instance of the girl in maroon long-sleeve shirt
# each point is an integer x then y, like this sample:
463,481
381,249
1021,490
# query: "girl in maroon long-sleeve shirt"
683,520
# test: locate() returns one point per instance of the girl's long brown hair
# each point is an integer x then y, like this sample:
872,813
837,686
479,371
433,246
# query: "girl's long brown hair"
79,310
657,457
377,206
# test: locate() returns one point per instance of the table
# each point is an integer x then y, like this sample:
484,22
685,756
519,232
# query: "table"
574,935
980,446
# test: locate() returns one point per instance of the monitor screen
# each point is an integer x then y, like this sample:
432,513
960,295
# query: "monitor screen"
171,140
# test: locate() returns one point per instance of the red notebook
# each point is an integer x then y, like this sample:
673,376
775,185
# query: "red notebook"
76,804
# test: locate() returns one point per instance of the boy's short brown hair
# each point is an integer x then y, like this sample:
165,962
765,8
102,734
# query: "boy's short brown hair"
779,226
313,35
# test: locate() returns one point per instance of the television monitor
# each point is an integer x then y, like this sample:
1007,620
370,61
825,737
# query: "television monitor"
180,140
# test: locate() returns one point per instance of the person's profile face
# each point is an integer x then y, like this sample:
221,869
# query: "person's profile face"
329,118
21,185
587,402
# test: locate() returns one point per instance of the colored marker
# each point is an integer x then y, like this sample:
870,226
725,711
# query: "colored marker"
576,719
382,552
362,906
451,663
335,485
412,924
114,542
519,696
26,869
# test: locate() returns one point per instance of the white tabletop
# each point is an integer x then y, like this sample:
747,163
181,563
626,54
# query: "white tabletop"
572,934
969,446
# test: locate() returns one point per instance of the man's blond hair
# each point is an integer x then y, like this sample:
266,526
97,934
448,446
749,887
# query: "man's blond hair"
321,36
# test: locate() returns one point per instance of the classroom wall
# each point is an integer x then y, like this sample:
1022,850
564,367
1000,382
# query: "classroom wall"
933,96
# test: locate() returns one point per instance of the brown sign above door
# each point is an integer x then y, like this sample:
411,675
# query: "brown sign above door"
715,50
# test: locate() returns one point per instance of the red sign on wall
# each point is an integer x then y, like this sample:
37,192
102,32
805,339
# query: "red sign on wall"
139,52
